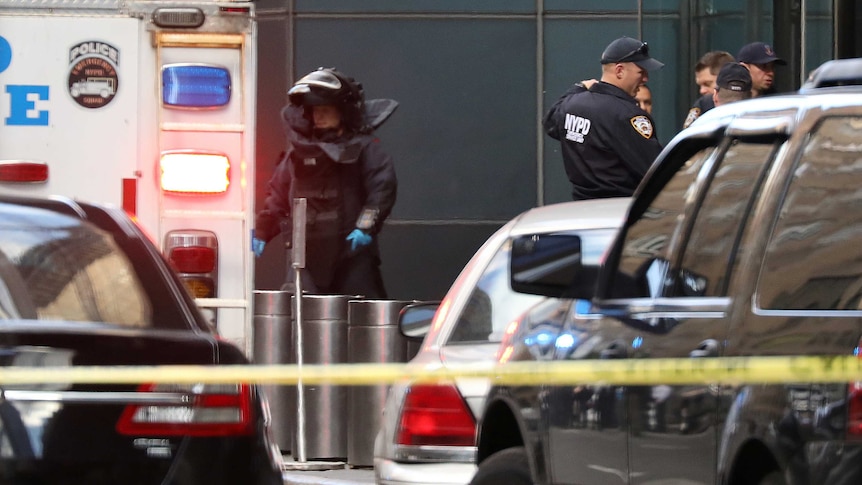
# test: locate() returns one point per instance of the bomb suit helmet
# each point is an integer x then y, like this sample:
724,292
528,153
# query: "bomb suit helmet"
328,86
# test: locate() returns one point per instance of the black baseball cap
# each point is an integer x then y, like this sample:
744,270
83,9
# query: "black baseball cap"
734,77
758,53
626,49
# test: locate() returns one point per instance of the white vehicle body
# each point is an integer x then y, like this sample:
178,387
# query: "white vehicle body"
86,112
487,272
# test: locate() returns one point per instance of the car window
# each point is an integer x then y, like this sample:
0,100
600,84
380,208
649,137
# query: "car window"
644,259
717,228
492,304
71,272
812,261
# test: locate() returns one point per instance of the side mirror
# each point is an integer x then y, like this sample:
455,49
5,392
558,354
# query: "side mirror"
546,264
414,320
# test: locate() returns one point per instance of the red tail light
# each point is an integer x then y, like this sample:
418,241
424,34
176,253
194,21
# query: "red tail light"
436,415
210,410
194,255
193,259
23,172
854,404
854,410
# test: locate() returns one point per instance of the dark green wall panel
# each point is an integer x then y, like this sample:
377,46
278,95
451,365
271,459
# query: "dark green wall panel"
464,135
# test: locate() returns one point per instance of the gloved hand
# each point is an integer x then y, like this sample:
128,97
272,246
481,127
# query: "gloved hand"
257,246
358,238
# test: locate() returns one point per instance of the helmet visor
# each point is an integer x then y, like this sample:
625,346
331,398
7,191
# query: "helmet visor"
321,79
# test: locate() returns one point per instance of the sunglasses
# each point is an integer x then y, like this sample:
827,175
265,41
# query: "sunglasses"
642,49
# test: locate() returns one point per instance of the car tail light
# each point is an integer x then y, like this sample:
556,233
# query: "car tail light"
194,255
209,410
194,172
854,405
23,172
435,415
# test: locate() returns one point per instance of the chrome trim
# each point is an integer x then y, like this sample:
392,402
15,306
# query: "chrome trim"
98,397
432,454
681,307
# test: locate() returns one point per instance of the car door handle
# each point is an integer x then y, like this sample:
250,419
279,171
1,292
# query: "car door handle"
616,350
707,348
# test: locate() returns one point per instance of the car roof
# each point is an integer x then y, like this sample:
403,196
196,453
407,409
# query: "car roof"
574,215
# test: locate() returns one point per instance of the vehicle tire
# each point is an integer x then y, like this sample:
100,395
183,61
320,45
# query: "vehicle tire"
773,478
506,467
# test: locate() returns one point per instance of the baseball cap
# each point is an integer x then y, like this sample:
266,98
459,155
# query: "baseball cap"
758,53
734,77
626,49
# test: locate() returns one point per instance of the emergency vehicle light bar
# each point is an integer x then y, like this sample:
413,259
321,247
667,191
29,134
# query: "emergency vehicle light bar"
188,171
195,86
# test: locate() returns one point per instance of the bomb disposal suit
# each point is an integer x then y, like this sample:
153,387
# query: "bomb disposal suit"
347,179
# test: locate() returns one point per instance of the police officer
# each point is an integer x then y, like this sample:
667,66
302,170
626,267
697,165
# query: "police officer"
705,74
335,162
608,142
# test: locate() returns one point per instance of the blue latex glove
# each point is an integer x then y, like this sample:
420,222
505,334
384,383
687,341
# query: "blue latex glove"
358,238
257,246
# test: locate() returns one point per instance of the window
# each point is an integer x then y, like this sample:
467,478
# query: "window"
716,231
812,260
644,260
69,272
492,303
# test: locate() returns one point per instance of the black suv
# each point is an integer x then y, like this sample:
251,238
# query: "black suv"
745,239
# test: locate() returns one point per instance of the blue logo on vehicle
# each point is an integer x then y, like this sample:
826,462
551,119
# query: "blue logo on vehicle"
5,54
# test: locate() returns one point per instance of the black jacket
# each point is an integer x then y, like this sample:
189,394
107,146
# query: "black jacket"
608,142
701,106
365,173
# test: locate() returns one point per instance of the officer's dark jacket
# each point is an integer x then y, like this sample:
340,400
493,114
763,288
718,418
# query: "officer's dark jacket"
608,142
701,106
364,174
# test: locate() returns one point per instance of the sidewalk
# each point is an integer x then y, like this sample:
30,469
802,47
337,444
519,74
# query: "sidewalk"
325,473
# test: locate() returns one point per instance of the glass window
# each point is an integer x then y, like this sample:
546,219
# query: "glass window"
813,260
493,304
645,254
717,228
70,272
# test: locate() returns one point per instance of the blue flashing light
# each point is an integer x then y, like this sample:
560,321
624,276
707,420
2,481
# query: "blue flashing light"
637,342
195,86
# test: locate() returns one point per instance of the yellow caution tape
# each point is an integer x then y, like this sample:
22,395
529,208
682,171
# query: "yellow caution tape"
733,370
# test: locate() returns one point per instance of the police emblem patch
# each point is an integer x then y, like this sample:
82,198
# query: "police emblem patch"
642,125
693,114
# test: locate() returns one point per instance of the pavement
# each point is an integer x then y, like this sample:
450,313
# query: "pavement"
325,473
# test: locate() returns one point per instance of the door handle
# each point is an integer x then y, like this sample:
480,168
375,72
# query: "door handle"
707,348
616,350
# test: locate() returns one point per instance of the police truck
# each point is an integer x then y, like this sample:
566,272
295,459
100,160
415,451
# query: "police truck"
148,105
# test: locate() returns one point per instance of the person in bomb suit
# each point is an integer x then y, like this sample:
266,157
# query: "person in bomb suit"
338,165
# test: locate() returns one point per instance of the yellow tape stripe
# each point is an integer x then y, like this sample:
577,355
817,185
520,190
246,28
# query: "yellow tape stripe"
623,372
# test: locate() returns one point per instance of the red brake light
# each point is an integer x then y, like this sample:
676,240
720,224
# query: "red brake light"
435,415
23,172
854,410
193,259
188,171
212,410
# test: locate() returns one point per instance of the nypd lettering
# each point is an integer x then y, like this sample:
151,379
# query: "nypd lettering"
577,128
93,80
643,126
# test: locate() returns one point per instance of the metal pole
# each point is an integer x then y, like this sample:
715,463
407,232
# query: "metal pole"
299,217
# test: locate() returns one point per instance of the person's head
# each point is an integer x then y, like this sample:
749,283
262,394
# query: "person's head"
733,83
332,101
644,98
626,64
707,69
760,60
